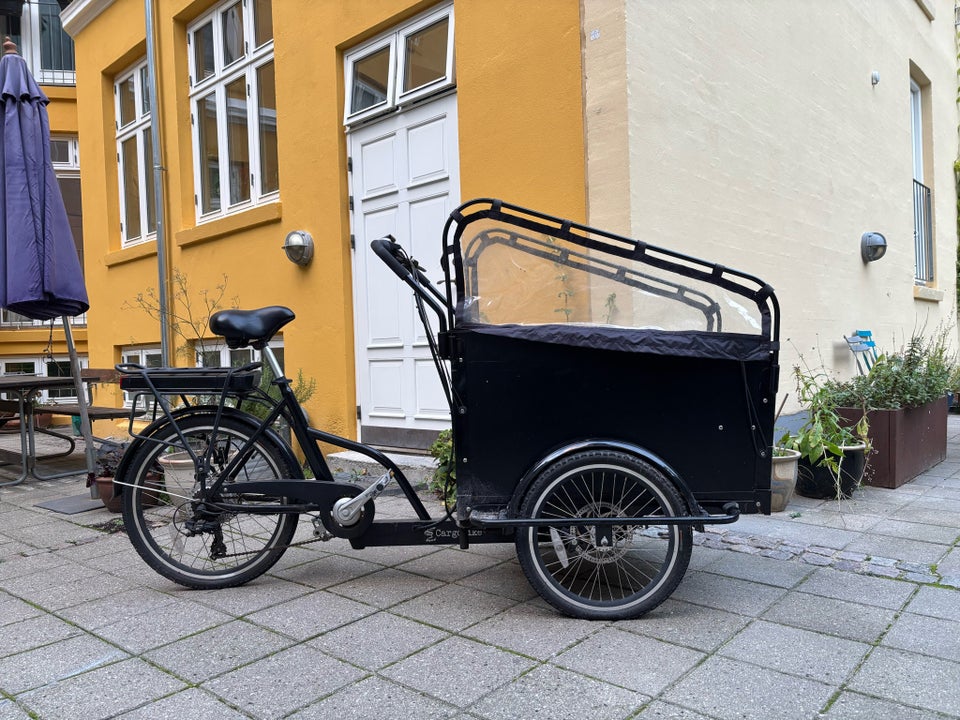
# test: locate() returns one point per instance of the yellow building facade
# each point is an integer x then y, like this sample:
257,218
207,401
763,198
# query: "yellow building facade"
352,120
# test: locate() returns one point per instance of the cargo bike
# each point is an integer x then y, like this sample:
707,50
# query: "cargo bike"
607,397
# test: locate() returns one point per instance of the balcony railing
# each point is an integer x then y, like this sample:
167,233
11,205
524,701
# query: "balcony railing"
922,232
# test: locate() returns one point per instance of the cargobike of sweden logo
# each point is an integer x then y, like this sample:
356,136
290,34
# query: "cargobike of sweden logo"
434,534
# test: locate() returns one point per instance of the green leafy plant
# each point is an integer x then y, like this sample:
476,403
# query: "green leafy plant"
923,370
443,479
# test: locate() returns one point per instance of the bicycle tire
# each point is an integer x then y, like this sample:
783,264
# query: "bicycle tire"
158,516
635,569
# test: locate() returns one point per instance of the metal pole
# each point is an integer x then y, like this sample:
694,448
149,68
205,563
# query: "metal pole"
157,185
85,428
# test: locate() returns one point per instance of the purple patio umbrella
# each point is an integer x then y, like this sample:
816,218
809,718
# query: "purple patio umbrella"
40,274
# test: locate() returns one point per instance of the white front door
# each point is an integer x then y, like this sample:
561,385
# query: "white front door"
405,183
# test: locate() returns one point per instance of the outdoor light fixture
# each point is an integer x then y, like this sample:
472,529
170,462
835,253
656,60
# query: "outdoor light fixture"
298,245
875,77
873,246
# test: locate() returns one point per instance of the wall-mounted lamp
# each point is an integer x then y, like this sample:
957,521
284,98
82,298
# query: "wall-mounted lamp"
873,246
875,77
298,245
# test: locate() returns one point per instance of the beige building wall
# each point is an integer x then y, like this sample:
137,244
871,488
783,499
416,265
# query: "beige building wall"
751,135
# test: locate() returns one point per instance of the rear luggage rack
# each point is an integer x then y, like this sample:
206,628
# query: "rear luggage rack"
187,381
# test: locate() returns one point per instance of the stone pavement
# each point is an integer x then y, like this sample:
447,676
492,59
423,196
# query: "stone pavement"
828,610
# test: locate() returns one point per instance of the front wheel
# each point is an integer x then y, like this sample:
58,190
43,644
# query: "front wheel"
193,540
603,572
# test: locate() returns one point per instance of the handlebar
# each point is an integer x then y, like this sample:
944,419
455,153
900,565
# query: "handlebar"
407,269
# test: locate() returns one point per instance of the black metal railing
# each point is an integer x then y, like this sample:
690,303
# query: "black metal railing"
923,232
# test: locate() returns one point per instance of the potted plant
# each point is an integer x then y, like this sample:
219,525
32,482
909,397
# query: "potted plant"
783,469
904,399
832,452
108,459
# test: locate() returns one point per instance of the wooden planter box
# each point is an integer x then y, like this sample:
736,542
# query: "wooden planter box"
906,442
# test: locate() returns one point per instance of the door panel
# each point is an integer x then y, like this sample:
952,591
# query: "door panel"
405,183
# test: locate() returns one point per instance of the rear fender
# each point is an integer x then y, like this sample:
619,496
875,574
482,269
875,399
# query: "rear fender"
250,421
616,445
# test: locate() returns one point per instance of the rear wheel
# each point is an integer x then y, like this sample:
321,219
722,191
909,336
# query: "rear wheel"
192,540
603,572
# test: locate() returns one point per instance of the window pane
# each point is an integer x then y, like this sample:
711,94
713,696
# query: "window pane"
425,59
209,359
239,358
152,359
70,190
56,47
131,188
209,154
238,141
267,104
263,21
203,51
370,75
60,152
144,92
232,21
128,103
149,181
20,368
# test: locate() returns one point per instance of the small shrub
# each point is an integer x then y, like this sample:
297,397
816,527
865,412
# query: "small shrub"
443,480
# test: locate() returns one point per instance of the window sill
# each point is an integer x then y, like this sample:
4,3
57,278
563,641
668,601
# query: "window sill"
134,252
254,217
928,294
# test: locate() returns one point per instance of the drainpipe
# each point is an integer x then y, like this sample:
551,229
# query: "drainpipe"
157,185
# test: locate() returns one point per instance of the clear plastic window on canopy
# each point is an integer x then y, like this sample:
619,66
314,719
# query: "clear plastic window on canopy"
529,276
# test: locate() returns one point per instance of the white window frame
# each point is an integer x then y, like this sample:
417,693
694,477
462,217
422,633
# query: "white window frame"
219,345
246,67
33,53
916,129
138,354
396,41
135,129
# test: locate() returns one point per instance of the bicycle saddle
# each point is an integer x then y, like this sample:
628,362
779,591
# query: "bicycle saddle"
250,327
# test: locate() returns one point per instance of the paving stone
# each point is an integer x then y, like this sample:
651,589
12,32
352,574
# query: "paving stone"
449,564
375,697
166,624
761,570
204,655
551,693
916,531
854,706
14,610
50,663
453,607
386,588
257,595
378,640
32,633
458,671
693,626
936,602
880,570
920,577
506,579
885,549
857,588
101,693
9,710
328,570
127,604
811,655
728,689
308,616
853,621
652,667
532,629
192,703
723,593
268,688
911,679
815,559
926,635
659,710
